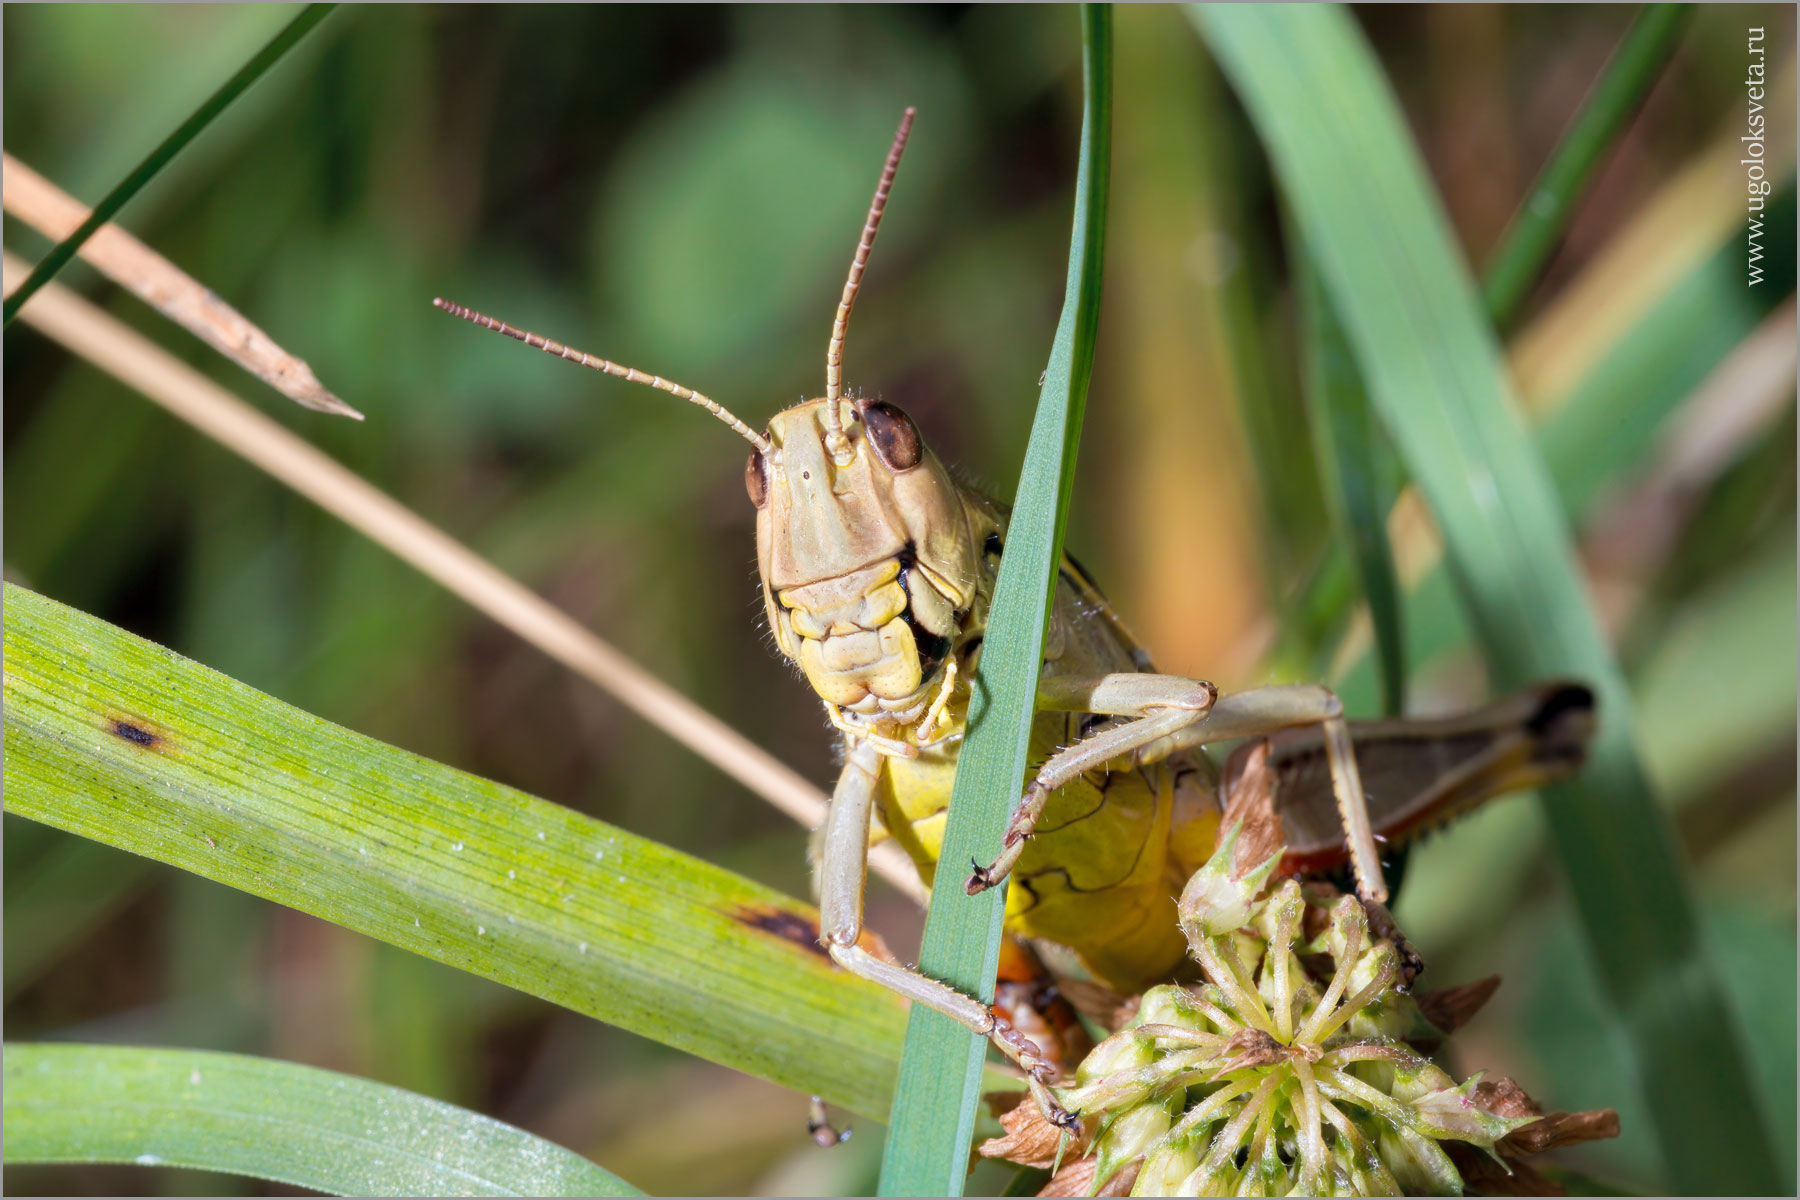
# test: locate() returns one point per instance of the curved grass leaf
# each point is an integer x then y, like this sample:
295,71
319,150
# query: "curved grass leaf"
144,172
1610,419
1354,181
933,1116
116,739
67,1103
1361,477
1533,233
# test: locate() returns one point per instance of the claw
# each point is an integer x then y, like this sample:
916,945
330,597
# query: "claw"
980,881
818,1126
1053,1111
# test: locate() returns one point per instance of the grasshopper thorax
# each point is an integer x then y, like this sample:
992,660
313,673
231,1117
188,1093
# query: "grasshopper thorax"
869,566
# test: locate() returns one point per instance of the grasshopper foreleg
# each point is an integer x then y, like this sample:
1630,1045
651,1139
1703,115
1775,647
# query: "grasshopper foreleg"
1164,705
1173,714
844,868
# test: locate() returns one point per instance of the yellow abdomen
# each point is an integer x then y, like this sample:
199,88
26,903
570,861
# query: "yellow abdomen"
1096,877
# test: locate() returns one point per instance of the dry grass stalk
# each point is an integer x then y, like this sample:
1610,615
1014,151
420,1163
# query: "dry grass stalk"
82,328
166,288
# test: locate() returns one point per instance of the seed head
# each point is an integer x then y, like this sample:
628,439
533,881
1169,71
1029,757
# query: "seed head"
1292,1069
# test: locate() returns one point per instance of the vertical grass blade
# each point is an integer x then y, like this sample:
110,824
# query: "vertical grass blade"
157,159
272,1120
934,1105
1360,476
1609,418
1526,245
1385,253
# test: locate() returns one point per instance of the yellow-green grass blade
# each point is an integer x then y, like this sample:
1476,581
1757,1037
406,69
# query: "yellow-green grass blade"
933,1115
1360,475
72,1103
120,740
1358,191
164,153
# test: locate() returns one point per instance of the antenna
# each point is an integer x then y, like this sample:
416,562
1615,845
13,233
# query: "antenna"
632,374
835,442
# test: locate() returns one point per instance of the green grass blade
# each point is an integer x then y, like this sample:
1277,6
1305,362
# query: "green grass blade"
1610,419
68,1103
1360,476
934,1105
116,739
1531,236
157,159
1386,255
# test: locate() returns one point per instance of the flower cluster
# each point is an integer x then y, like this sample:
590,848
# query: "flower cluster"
1292,1069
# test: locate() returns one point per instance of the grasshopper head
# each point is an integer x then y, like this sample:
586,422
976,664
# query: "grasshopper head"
868,565
869,562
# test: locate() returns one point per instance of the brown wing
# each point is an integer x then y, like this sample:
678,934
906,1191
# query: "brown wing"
1420,773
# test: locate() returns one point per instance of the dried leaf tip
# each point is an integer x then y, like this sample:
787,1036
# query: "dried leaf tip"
166,288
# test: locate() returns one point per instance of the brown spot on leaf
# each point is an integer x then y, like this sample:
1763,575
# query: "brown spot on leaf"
801,930
788,926
136,733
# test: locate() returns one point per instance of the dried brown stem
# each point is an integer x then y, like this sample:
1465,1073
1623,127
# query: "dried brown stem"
167,288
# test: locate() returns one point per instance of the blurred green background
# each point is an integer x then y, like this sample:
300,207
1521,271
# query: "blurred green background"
680,189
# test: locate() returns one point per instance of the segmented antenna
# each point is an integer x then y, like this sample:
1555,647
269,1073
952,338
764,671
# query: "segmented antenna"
835,442
611,368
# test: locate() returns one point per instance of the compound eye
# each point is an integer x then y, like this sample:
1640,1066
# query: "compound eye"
894,436
756,478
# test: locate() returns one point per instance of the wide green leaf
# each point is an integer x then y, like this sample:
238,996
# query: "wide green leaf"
1359,192
120,740
934,1104
69,1103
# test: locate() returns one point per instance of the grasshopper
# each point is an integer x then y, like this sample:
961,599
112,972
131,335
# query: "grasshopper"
877,570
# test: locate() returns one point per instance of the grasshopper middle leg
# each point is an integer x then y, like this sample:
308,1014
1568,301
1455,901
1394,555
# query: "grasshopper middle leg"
1171,714
845,863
